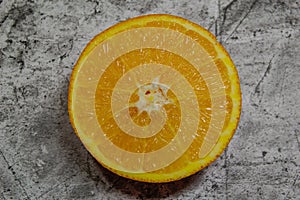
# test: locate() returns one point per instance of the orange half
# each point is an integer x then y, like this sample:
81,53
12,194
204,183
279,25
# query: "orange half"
155,98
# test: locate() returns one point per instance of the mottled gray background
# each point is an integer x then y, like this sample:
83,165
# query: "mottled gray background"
41,158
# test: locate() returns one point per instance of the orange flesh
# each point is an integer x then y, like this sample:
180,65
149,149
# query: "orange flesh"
205,148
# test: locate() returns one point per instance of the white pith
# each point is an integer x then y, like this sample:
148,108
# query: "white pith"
152,97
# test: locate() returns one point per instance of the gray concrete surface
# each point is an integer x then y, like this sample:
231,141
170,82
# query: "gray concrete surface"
40,156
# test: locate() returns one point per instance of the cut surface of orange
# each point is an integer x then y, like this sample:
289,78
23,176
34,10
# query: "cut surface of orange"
155,98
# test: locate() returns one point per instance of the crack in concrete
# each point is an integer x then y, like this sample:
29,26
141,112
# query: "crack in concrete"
267,71
271,182
241,21
272,115
89,172
211,25
225,15
226,174
4,18
297,138
95,178
113,184
257,90
14,175
255,164
55,186
293,184
16,94
282,82
216,26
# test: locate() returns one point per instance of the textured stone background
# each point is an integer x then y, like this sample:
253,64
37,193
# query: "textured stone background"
40,156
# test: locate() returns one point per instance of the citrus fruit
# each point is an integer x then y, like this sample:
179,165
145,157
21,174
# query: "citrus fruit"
155,98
